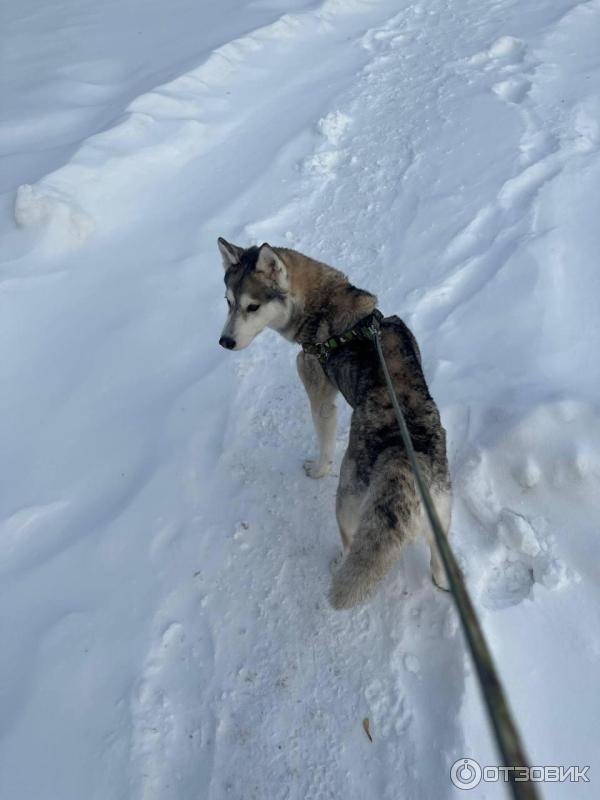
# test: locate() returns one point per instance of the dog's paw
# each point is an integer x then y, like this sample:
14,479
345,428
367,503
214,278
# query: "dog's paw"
335,562
314,469
440,580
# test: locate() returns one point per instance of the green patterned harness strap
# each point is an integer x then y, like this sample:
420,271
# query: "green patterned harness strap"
365,329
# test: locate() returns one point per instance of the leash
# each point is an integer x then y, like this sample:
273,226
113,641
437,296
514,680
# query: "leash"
505,731
503,725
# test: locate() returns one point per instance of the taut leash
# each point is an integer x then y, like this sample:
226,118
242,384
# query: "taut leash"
505,731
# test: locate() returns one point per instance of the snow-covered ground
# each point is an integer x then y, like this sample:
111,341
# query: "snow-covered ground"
164,561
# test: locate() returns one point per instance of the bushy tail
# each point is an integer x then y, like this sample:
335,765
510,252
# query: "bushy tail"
387,522
360,573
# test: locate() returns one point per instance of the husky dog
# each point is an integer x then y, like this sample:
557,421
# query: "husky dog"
378,507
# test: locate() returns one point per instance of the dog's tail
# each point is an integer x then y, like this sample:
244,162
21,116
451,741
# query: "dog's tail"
389,519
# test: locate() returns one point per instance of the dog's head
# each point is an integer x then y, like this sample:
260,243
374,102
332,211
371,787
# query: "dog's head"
256,288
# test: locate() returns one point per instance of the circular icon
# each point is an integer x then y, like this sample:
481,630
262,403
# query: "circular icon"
465,773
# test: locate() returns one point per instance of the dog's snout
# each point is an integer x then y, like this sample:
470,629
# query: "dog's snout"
227,341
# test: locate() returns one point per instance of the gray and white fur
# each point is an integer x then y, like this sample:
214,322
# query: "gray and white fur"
378,508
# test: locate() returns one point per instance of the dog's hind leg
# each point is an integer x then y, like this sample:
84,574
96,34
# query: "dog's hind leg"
349,499
321,393
442,501
390,516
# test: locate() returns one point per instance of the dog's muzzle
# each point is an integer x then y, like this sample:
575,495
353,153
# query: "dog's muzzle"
227,342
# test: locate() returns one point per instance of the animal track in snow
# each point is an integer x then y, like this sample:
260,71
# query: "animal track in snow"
522,545
526,558
505,51
507,48
334,126
411,663
324,161
512,90
173,727
585,130
387,708
507,58
386,37
527,474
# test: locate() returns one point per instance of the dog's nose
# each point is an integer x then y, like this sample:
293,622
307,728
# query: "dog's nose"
227,341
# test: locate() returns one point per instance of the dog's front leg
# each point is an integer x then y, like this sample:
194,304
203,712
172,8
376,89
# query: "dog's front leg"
321,393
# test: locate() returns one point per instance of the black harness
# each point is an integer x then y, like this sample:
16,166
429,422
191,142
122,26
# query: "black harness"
365,329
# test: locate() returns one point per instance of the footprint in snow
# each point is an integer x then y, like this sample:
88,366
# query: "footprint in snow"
513,90
524,558
324,161
506,56
506,51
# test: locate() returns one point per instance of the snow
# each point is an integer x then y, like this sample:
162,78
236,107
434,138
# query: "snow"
164,560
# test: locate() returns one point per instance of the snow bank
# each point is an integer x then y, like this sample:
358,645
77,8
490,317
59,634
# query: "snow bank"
163,129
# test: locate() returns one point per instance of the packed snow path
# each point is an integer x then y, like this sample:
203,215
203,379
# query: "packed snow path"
164,560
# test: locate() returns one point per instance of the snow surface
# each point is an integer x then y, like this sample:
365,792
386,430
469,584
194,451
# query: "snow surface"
164,560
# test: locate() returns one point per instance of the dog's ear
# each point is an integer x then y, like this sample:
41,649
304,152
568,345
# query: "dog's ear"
231,253
269,263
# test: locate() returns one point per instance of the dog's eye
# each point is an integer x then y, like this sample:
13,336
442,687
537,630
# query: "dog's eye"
228,302
253,307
